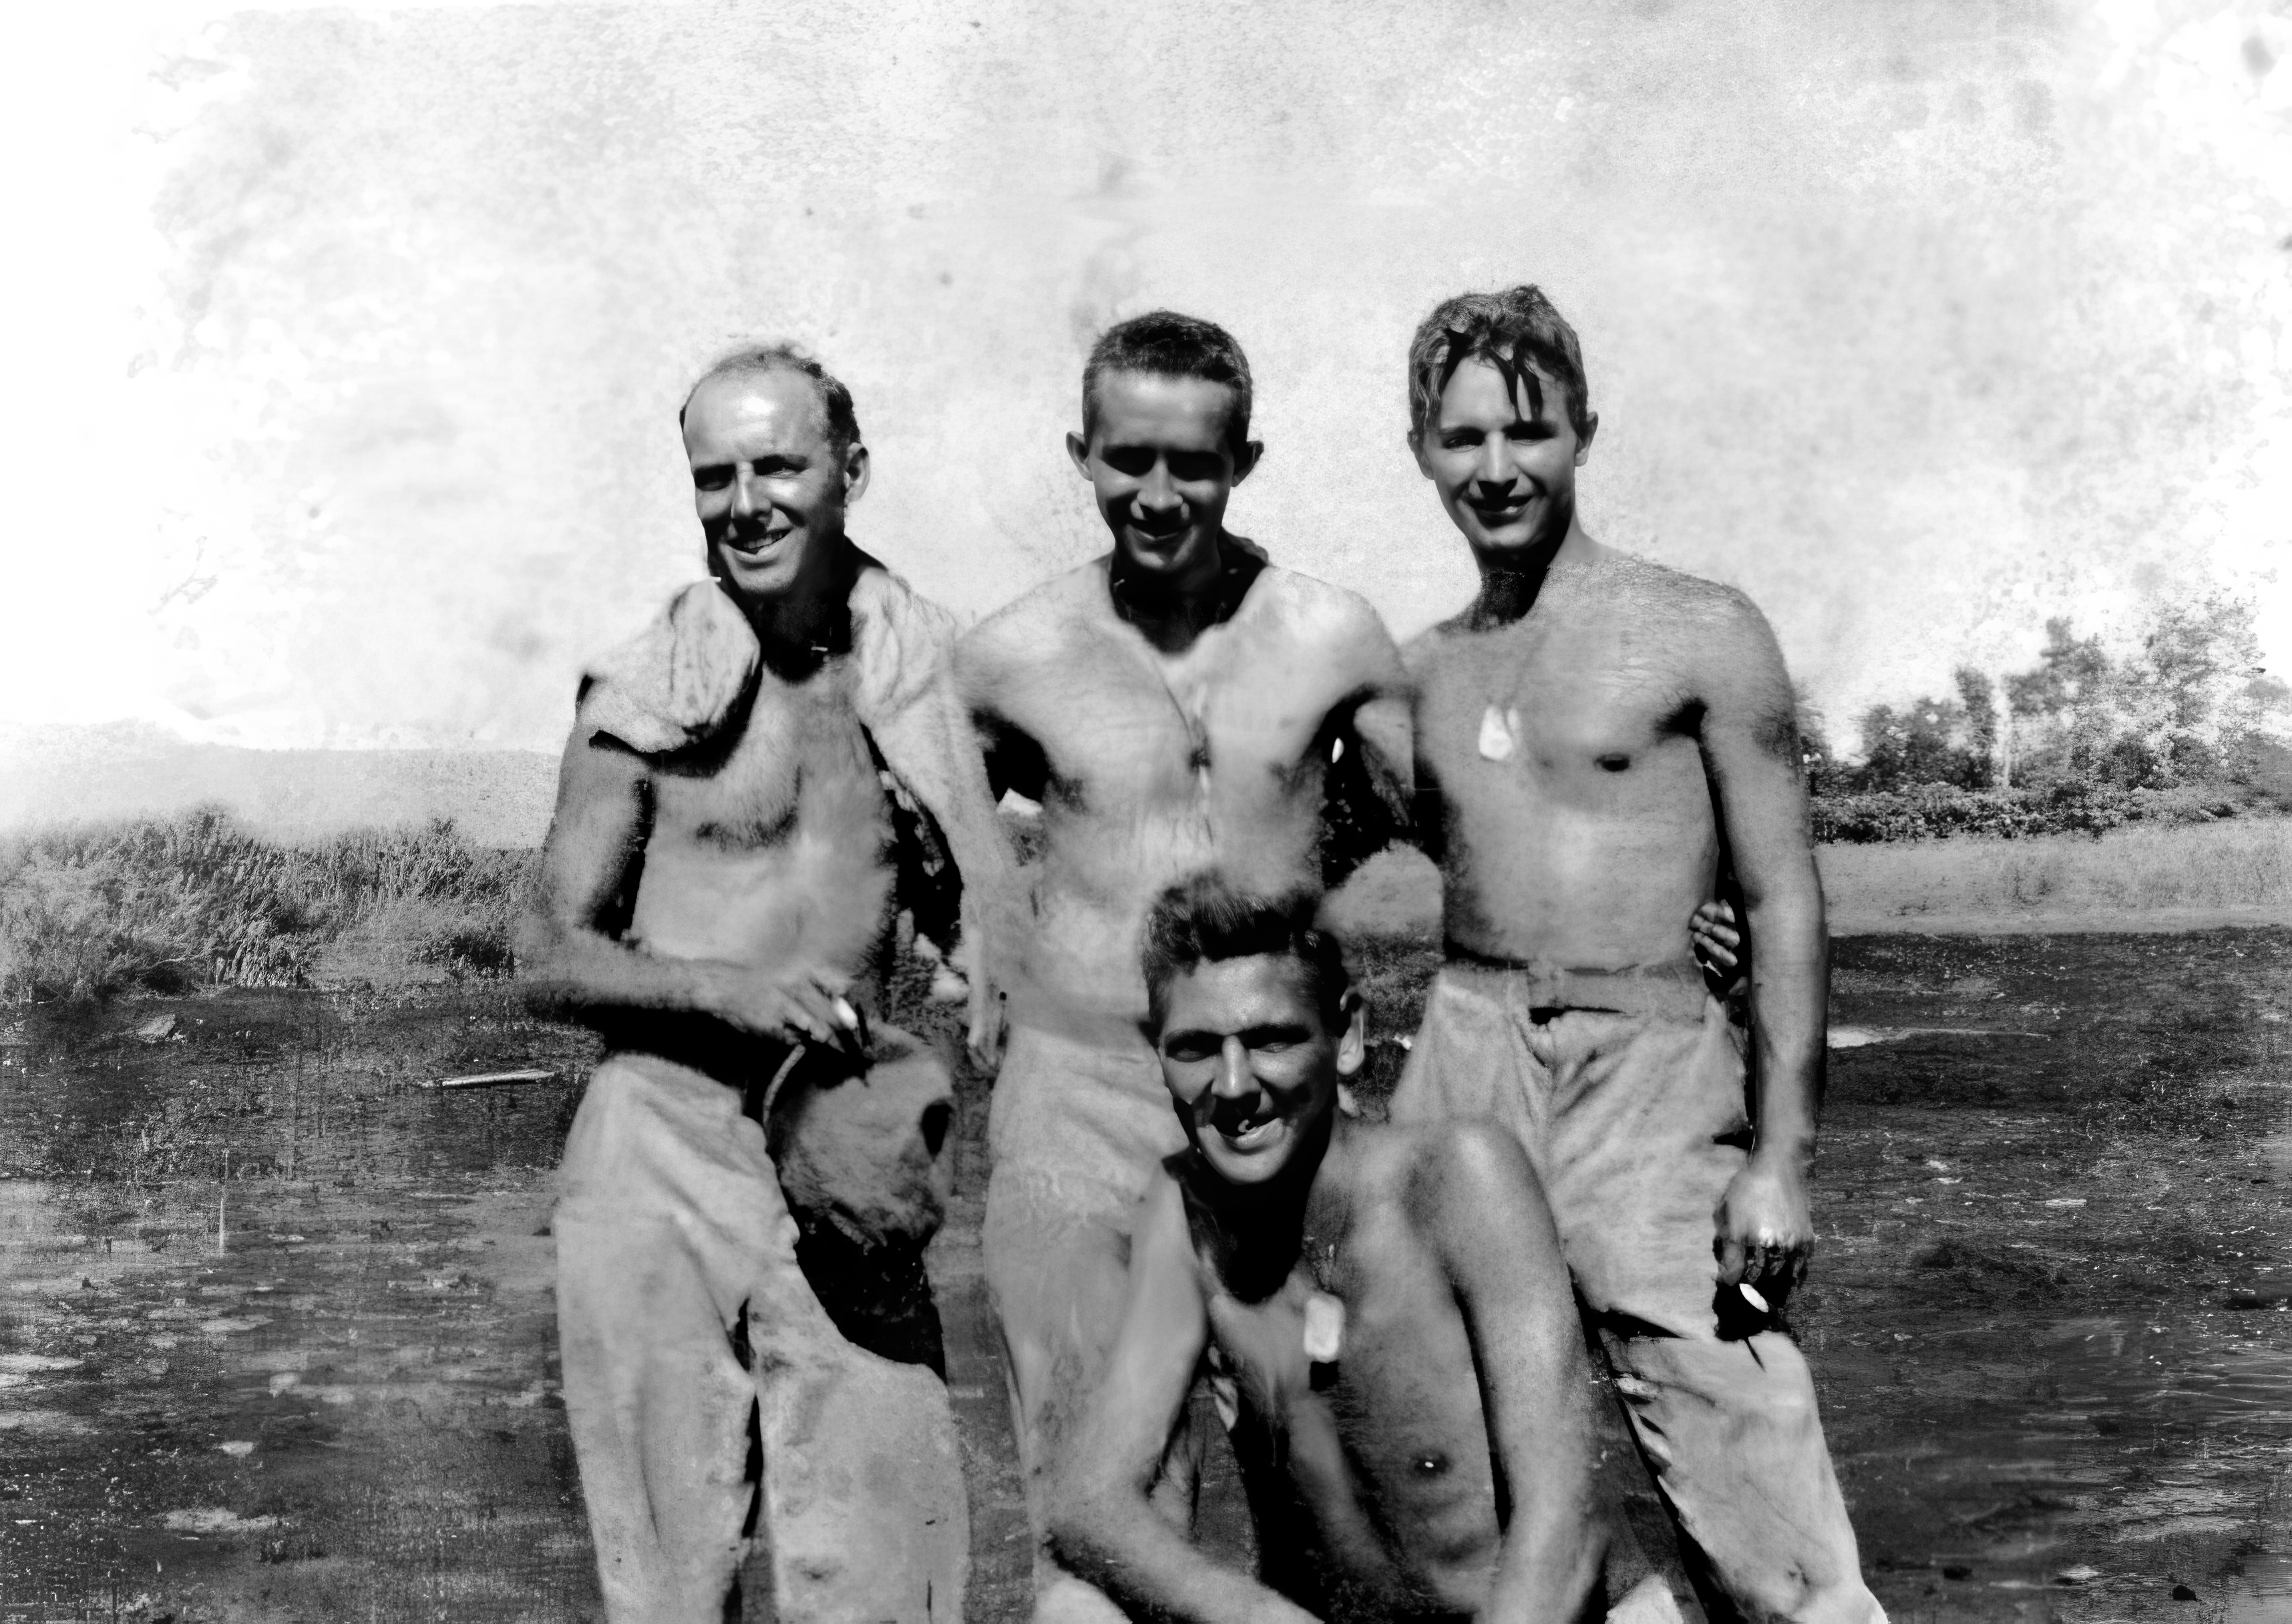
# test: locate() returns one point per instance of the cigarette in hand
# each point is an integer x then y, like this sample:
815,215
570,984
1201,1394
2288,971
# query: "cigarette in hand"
1751,1296
846,1016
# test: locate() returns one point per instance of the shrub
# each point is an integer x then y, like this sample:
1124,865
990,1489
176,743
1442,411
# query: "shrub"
166,905
1927,811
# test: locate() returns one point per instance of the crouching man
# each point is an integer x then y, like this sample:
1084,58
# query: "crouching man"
754,789
1387,1309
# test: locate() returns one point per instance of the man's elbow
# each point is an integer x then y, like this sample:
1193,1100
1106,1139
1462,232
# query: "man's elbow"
538,941
1086,1524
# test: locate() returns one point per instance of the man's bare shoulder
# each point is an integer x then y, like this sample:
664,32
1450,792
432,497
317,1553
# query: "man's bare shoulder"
1329,622
1626,584
1036,628
1046,606
676,683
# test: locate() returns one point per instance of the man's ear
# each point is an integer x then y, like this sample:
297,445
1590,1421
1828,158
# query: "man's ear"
1584,441
856,465
1353,1043
1246,459
1079,454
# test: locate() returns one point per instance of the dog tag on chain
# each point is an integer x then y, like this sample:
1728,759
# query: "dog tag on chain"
1325,1327
1496,738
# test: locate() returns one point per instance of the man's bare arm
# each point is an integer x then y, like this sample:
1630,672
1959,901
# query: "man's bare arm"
1370,785
1751,749
1105,1529
569,947
1494,1231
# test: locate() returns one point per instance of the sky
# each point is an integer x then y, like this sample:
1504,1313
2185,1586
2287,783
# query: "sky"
349,342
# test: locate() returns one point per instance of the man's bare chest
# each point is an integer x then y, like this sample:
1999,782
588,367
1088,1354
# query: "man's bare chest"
798,761
1118,724
1552,698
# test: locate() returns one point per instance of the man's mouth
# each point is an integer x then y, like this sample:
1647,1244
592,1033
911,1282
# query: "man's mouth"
1248,1131
754,544
1156,536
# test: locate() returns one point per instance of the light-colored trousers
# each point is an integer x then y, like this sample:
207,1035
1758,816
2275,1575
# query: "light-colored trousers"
730,1439
1076,1129
1634,1118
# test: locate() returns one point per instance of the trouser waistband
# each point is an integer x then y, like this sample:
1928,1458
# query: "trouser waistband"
1673,990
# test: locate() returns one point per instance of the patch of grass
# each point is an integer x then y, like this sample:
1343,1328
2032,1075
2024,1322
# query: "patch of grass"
170,905
2241,864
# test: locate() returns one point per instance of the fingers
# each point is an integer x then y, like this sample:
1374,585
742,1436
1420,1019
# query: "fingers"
1733,1256
1775,1267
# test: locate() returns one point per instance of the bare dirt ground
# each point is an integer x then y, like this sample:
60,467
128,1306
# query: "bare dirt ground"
2046,1313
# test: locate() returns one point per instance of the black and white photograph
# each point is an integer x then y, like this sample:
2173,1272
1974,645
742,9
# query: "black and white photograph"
1188,813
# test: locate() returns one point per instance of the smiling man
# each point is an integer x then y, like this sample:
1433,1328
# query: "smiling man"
1387,1308
1601,744
1177,702
753,790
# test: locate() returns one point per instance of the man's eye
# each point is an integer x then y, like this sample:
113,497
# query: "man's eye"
1530,431
711,479
1129,460
1186,1052
1194,467
1458,442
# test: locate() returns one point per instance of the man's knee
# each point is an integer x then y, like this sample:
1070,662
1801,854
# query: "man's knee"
1064,1599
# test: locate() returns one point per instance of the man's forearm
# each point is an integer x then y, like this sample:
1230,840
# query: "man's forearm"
1790,986
1120,1543
584,977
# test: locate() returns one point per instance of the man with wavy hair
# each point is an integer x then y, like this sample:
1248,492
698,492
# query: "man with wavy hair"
756,788
1387,1309
1603,745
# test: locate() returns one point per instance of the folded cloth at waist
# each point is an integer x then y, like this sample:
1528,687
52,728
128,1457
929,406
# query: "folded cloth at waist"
1674,990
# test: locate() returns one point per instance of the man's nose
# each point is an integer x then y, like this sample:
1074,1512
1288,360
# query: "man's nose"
1158,492
1495,466
744,498
1234,1080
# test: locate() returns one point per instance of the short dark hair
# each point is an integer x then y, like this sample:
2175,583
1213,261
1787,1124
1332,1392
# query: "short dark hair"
780,355
1167,344
1206,918
1508,329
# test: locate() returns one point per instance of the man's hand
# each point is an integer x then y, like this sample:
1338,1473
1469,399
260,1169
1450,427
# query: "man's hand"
796,1005
1718,946
1766,1233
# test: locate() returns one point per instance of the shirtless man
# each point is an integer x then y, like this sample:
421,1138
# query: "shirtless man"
1176,703
755,788
1599,741
1387,1304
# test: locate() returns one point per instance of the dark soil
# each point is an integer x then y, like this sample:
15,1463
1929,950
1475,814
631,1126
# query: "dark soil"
2032,1226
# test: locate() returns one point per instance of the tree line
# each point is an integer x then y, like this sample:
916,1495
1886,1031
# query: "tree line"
2190,705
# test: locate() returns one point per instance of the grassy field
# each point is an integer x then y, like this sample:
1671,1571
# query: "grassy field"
167,906
2204,868
2200,874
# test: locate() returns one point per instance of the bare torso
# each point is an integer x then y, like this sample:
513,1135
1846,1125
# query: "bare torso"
1560,774
771,847
1149,765
1380,1460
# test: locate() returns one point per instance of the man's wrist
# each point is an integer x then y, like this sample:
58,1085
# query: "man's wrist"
1793,1151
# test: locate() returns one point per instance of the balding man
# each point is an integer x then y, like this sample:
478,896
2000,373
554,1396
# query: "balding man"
755,787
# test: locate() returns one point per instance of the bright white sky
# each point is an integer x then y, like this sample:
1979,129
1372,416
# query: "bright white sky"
350,342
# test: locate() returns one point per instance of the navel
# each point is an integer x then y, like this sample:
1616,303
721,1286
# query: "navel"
1614,763
1429,1465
